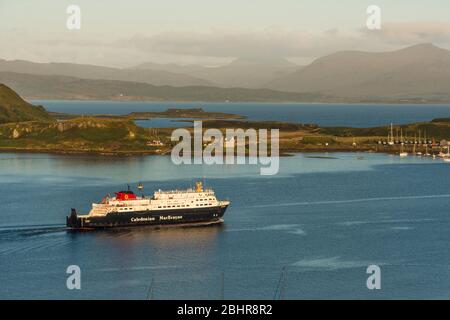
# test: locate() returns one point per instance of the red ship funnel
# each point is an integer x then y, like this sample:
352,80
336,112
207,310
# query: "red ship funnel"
125,195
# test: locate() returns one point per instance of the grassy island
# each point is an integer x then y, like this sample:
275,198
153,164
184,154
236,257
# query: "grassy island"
28,128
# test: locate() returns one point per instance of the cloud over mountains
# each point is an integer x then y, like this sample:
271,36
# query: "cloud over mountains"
215,46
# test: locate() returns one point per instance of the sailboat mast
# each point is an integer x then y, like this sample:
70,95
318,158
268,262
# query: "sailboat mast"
392,132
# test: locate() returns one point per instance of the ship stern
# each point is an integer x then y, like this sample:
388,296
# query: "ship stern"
73,221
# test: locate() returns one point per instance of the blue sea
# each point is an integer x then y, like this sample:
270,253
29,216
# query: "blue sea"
322,220
308,232
354,115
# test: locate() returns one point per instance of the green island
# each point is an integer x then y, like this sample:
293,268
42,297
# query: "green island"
197,113
28,128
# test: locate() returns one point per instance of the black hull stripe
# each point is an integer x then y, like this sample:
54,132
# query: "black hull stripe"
140,218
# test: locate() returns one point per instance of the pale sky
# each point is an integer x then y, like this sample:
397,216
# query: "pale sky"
209,32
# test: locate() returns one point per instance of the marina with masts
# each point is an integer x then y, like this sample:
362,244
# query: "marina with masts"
416,143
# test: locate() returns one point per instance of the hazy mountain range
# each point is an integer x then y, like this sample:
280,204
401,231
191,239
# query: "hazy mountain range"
70,88
85,71
420,72
244,73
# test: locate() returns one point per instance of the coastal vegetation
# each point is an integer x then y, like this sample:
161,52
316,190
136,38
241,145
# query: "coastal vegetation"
80,135
14,109
24,127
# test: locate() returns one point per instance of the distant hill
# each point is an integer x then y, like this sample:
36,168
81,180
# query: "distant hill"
14,109
70,88
155,77
244,73
421,70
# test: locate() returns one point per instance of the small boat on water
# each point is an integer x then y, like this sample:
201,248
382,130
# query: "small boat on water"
402,153
447,156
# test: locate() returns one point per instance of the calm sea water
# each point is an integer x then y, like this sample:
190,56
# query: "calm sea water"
323,220
355,115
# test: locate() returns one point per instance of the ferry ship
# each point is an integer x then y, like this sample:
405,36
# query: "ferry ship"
191,206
